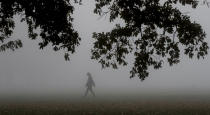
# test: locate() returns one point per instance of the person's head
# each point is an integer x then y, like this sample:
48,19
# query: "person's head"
88,74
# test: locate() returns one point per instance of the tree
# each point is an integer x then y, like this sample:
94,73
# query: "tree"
52,17
154,31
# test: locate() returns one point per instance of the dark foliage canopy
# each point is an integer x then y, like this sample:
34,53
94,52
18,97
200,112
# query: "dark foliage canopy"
52,17
154,31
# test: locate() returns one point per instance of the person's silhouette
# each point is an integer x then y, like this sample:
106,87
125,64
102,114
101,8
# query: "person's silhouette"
90,83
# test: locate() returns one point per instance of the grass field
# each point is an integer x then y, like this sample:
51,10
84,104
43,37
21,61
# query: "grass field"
141,104
105,107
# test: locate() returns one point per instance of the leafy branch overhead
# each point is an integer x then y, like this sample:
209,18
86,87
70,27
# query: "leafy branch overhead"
51,17
154,33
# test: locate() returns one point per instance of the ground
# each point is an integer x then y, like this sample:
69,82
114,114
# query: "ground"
91,106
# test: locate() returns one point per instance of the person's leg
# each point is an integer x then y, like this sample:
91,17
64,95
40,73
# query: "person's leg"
93,93
86,92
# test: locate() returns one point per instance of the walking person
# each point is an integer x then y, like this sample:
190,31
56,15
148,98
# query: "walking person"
90,84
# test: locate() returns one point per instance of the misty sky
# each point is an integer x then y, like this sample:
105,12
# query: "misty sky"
32,70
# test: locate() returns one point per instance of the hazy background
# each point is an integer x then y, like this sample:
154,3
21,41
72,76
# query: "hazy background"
30,71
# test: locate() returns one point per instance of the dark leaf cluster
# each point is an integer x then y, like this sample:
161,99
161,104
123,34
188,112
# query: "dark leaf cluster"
154,33
49,19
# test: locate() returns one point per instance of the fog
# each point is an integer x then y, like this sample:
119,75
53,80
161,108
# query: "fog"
29,71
